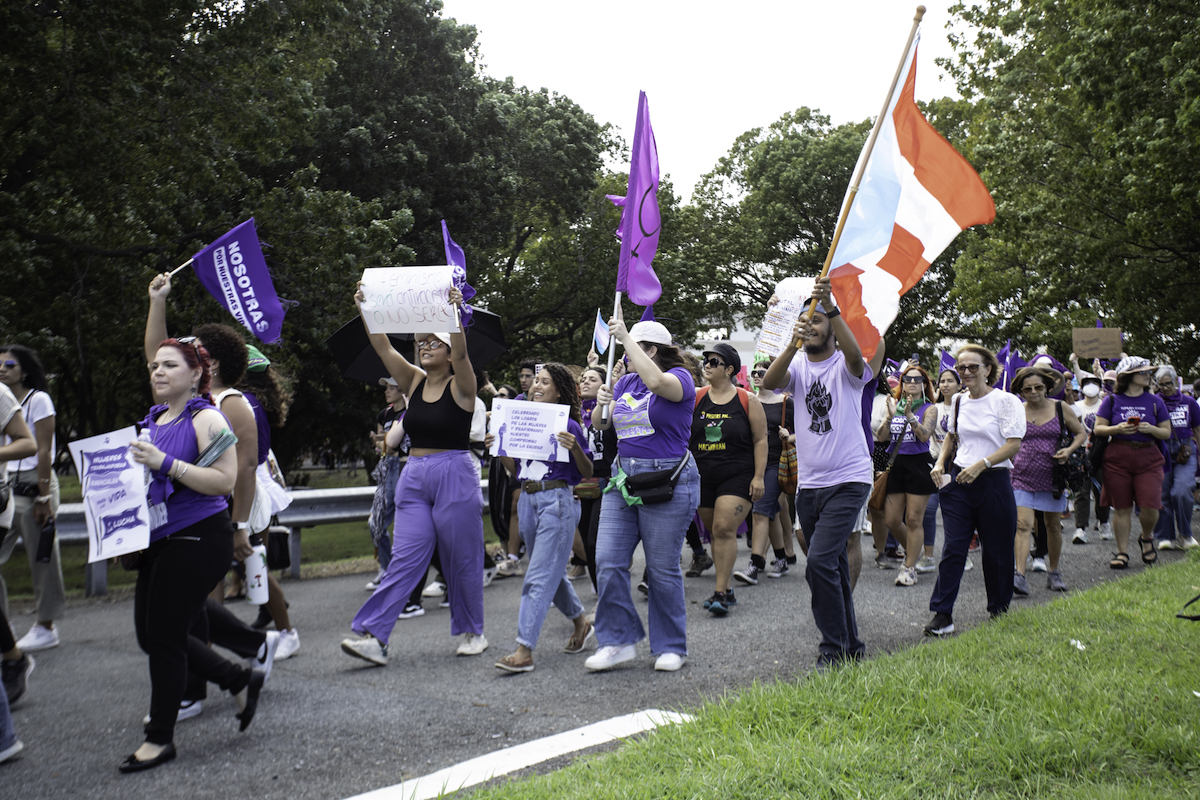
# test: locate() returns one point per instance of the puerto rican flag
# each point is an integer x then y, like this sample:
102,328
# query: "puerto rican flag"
917,193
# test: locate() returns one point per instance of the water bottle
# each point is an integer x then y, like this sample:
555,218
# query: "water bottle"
256,572
144,436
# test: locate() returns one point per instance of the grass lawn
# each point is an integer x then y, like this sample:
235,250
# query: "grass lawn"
1012,709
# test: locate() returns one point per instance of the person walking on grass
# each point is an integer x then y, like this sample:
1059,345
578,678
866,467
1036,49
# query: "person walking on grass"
834,480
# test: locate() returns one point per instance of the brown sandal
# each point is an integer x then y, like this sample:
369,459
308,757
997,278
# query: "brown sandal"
1148,556
510,663
1119,561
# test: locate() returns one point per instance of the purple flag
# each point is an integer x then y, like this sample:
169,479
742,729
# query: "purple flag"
234,271
640,220
648,314
947,362
456,259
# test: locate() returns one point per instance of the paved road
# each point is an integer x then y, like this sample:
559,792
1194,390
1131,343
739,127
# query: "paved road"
329,726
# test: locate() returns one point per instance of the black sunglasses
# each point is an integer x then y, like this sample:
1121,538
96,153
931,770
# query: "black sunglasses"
714,363
758,373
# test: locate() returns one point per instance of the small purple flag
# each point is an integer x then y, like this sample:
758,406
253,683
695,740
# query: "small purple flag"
648,314
456,259
640,219
947,362
234,271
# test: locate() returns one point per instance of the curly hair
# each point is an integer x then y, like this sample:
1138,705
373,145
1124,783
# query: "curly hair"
272,391
227,346
31,365
568,390
194,355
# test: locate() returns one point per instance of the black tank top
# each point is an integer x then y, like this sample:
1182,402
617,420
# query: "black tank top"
440,425
721,434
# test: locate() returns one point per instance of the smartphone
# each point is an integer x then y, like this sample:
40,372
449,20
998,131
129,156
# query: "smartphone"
914,359
1136,420
46,543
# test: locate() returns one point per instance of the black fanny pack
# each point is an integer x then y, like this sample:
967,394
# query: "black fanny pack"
25,489
658,486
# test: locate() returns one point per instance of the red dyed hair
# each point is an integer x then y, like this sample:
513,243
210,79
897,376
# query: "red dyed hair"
194,355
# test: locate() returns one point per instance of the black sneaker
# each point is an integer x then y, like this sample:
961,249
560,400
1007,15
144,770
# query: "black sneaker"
940,625
717,605
730,600
700,562
749,575
644,587
14,674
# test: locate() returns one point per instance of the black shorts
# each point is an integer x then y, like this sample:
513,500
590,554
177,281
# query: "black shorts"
724,479
910,475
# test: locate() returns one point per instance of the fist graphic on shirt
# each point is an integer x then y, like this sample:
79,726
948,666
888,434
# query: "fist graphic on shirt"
819,403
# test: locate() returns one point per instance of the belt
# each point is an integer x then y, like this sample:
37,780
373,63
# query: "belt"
1134,445
533,487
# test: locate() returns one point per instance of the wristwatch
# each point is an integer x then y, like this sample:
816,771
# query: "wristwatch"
243,526
987,463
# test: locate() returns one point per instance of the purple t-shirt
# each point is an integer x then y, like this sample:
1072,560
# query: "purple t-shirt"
264,427
531,470
1117,408
1184,412
649,426
911,446
174,507
829,440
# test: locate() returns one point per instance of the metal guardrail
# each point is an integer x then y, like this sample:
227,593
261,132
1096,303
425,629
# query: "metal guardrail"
309,508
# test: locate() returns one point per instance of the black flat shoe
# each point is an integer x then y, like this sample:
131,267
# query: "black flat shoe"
257,676
132,764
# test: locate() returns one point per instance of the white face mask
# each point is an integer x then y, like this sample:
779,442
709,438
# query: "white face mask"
1090,390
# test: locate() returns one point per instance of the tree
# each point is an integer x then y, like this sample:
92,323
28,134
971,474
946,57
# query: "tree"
1087,127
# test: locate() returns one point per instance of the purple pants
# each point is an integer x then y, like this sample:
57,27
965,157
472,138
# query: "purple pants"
437,502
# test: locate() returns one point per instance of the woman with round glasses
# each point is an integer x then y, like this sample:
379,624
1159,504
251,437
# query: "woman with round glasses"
729,441
1135,422
1180,479
911,416
986,429
1033,469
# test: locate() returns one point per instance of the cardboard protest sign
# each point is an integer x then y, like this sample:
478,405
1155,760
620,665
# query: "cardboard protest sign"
408,300
114,494
1096,342
526,430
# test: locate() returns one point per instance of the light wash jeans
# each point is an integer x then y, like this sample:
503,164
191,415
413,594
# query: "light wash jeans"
1177,501
661,529
547,520
383,507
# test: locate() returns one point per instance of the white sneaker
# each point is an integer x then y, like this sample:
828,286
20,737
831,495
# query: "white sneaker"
38,638
1080,536
610,655
907,577
1106,533
368,648
669,662
373,584
472,644
1038,565
187,710
489,575
968,566
435,589
11,751
926,564
289,643
266,658
1168,544
1188,542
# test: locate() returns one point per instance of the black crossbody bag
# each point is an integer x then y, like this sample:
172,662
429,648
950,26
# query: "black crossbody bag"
658,486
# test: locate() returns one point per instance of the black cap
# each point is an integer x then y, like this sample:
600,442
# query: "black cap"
728,354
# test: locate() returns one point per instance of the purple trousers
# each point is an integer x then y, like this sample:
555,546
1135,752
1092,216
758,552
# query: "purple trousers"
437,502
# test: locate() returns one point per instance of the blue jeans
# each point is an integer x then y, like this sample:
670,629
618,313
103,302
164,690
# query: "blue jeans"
930,521
8,734
1177,501
660,528
986,507
828,515
383,506
547,521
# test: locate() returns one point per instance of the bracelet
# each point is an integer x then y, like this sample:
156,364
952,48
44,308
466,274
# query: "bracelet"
243,526
42,498
168,462
833,312
182,471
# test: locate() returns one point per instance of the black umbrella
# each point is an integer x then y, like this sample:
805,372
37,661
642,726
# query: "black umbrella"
357,359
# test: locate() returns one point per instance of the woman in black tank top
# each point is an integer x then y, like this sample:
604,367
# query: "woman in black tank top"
437,499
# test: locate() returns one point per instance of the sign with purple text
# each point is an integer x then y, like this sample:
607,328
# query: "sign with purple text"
234,271
408,300
114,494
526,430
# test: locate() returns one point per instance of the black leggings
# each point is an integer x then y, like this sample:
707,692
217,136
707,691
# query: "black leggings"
176,576
218,625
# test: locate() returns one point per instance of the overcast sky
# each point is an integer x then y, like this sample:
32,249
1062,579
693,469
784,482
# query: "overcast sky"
711,70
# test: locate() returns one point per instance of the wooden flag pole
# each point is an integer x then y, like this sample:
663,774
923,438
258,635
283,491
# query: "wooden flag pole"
606,411
862,166
185,264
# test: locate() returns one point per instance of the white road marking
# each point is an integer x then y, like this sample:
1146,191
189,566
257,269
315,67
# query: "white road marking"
512,759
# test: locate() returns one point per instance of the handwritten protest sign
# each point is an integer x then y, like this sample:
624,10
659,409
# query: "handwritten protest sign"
408,299
1096,342
777,327
114,494
525,429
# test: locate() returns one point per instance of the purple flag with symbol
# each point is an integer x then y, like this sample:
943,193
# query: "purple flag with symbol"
234,271
640,220
456,259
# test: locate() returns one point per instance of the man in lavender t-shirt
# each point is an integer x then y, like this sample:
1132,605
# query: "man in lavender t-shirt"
835,465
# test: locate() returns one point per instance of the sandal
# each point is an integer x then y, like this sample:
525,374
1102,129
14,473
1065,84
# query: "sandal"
1149,552
1119,561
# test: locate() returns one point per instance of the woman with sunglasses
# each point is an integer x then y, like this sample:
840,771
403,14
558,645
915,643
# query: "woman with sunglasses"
729,443
437,499
1135,422
1178,483
986,429
191,544
911,416
1033,469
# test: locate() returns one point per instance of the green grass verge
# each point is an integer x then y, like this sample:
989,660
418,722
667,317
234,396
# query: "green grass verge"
1012,709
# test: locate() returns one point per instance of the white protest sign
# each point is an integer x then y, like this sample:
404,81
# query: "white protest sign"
526,429
408,300
114,494
781,318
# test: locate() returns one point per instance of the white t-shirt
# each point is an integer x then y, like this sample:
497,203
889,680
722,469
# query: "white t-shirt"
9,408
1087,414
984,426
830,445
941,427
36,406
